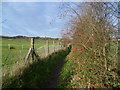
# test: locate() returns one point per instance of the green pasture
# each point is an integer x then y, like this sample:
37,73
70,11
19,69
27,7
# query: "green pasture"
12,56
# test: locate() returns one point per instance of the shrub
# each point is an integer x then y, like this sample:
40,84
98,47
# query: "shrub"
92,57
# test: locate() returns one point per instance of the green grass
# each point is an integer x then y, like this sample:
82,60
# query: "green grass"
12,57
36,74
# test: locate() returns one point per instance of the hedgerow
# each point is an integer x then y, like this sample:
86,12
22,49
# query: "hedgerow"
93,61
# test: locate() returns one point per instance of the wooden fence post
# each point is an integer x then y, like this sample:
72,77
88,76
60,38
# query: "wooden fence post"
32,43
32,52
47,45
32,47
60,41
53,46
59,45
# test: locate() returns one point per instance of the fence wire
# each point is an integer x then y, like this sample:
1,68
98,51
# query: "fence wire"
14,52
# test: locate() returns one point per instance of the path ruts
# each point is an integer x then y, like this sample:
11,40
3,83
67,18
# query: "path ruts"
53,80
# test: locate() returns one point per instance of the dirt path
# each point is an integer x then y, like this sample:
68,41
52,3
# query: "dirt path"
52,82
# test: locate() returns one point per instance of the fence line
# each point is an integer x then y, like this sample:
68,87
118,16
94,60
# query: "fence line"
29,52
19,52
42,51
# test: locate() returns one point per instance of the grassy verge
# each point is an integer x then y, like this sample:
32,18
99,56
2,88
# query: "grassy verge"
37,73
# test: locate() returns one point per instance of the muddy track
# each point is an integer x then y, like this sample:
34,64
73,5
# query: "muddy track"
53,80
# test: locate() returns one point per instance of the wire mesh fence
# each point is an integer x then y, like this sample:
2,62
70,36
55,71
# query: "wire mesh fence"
43,50
14,51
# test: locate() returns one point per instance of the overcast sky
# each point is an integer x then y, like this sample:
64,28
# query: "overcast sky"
31,19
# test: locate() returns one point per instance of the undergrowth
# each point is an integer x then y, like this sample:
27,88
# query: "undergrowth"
37,73
78,72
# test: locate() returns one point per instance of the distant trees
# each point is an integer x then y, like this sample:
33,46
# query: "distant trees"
25,37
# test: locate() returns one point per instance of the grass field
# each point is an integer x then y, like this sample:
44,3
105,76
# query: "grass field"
10,57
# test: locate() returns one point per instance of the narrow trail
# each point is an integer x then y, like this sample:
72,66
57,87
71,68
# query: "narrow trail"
53,80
